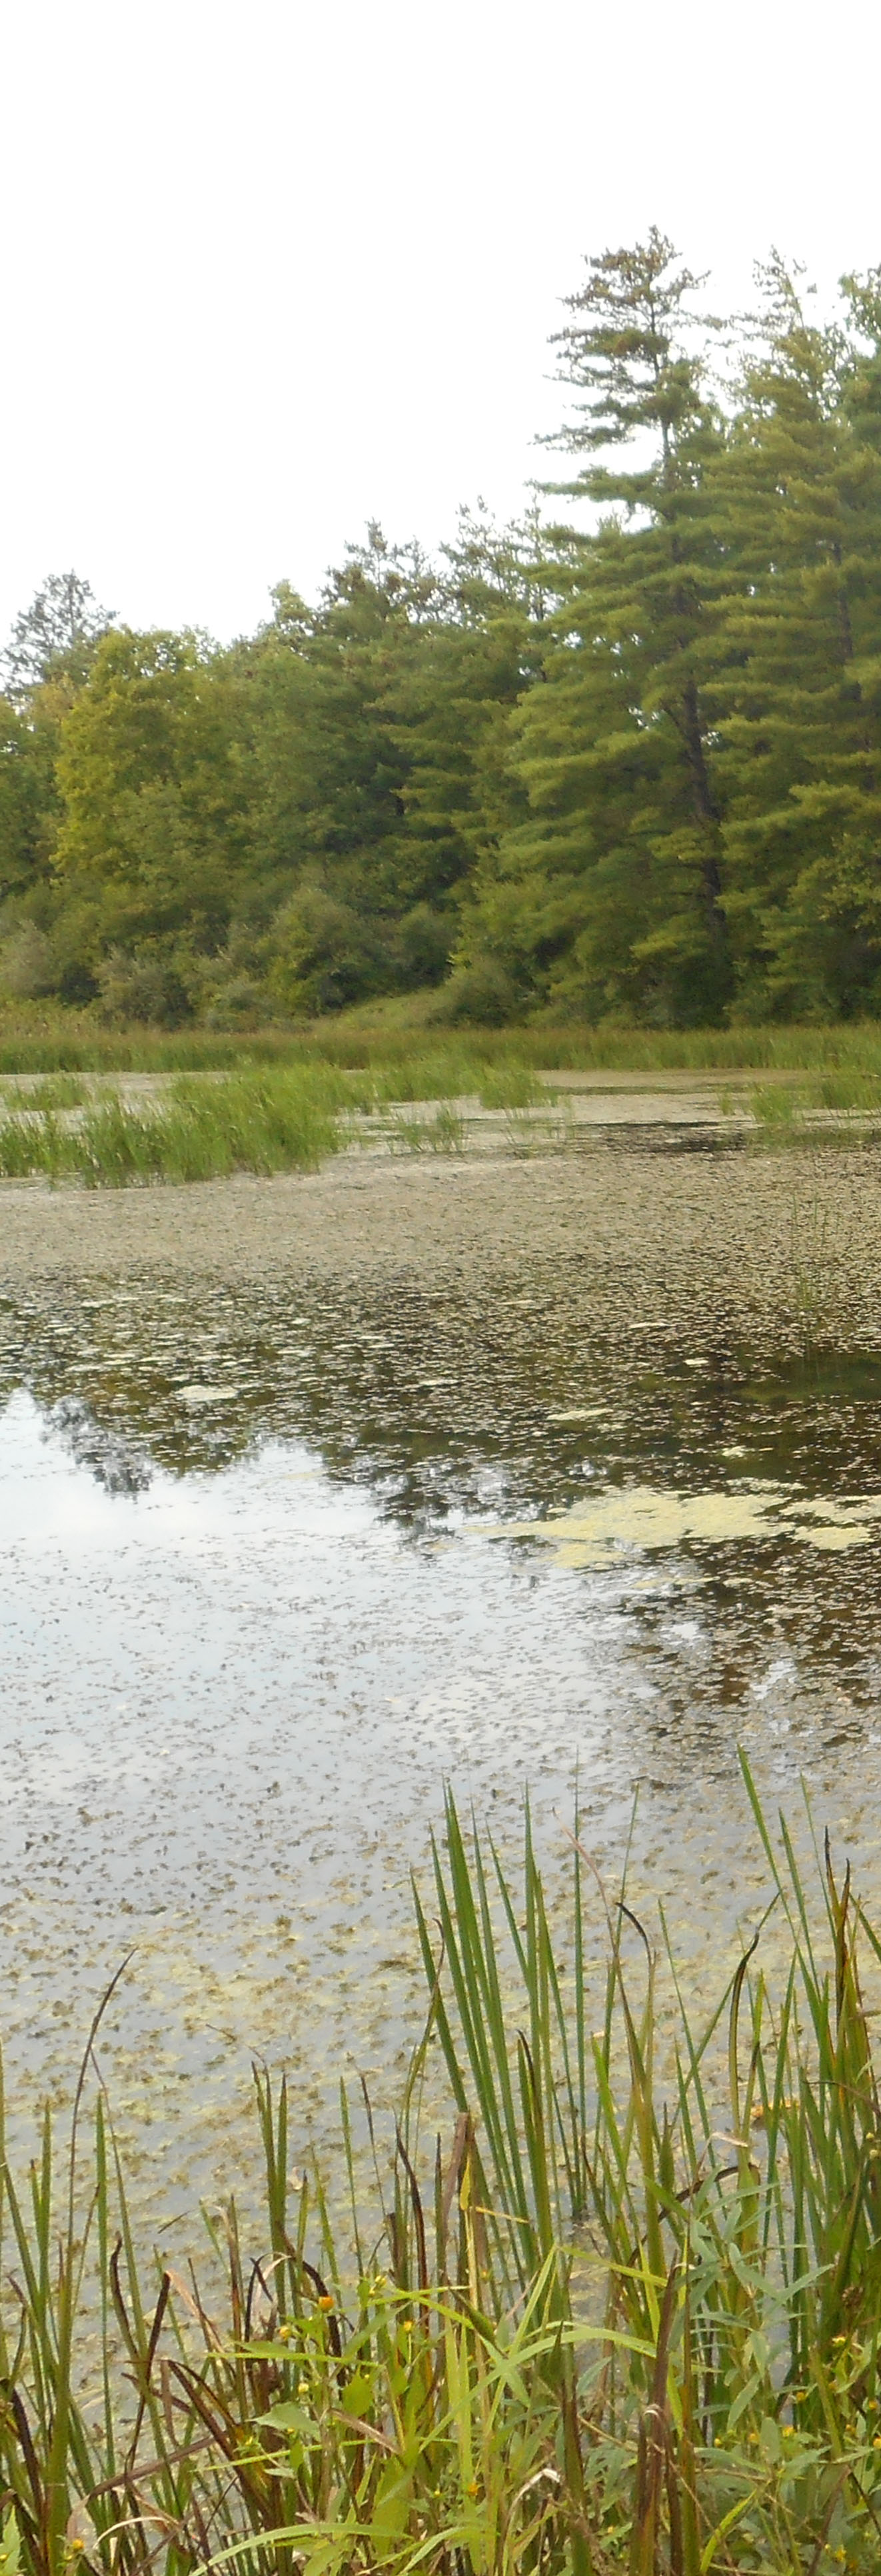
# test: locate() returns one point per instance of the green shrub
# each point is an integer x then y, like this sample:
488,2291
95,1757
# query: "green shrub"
325,953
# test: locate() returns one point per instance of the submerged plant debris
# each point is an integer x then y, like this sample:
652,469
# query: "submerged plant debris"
645,1517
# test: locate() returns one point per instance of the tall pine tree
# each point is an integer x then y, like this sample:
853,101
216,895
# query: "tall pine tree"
610,892
796,500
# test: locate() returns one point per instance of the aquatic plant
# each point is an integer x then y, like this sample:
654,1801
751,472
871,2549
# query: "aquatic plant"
776,1107
513,1085
442,1134
833,1108
398,1043
628,2324
265,1120
851,1088
53,1091
810,1270
260,1118
445,1132
444,1072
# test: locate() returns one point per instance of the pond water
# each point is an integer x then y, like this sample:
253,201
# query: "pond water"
279,1562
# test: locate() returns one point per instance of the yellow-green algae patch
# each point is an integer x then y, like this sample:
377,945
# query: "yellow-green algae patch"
626,1517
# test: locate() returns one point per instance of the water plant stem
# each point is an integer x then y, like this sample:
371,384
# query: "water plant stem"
641,2330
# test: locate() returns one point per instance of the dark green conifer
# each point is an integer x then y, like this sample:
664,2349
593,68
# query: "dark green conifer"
611,890
797,504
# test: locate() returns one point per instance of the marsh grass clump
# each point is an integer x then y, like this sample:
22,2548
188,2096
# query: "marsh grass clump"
405,1135
836,1107
449,1078
849,1091
441,1073
257,1120
626,2315
734,2240
442,1134
445,1132
33,1142
777,1109
513,1085
51,1091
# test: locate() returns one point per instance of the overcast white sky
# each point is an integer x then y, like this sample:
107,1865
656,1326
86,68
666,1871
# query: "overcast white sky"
272,267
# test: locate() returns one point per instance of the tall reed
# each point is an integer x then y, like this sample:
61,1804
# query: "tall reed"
629,2321
201,1128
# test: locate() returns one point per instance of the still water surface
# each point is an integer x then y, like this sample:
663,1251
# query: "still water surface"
279,1563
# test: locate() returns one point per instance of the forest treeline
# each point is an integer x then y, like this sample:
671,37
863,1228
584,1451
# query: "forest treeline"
623,759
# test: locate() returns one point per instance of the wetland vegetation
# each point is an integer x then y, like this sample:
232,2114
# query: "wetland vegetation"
403,1041
280,1115
622,2314
269,1117
198,1128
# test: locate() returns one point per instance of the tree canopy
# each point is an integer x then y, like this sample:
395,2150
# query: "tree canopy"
624,757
